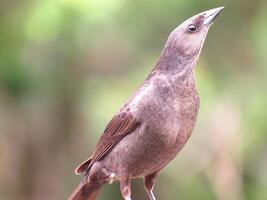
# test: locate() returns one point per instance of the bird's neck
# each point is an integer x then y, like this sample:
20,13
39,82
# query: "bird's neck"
173,62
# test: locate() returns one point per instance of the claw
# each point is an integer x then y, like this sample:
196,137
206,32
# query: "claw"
112,177
151,195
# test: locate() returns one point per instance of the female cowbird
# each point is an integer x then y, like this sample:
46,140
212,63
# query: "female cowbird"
154,124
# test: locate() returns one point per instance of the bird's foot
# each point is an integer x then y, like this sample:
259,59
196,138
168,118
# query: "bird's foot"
151,195
112,177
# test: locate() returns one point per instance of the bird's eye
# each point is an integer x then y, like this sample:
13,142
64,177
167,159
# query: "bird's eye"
192,27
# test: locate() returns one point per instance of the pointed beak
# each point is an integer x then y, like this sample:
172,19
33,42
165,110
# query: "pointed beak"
211,15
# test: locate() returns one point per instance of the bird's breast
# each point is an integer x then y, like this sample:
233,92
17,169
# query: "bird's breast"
168,108
172,109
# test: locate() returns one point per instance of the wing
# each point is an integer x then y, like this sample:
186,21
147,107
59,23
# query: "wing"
120,125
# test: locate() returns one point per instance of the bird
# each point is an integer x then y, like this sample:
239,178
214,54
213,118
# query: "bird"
155,123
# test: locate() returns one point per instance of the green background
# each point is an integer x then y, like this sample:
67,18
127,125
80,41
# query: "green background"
66,66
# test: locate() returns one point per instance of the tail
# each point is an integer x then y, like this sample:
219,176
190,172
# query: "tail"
85,191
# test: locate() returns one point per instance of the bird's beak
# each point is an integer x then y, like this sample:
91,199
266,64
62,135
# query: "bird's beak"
211,15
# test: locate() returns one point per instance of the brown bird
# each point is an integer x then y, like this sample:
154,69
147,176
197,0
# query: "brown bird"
154,124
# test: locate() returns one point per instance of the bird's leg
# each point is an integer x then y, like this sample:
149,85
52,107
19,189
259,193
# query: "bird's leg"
125,187
149,184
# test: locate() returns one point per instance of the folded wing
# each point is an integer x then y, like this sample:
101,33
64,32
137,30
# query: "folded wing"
120,125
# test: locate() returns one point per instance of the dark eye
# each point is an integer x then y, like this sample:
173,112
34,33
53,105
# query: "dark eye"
192,27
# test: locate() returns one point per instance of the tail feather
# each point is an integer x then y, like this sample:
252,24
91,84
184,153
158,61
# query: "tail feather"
85,191
84,167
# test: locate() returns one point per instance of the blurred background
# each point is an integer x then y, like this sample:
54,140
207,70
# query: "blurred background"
67,65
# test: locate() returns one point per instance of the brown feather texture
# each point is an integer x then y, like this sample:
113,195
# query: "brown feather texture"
119,126
85,191
155,123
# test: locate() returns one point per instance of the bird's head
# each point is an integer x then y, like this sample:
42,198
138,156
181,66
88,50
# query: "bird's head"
189,37
185,42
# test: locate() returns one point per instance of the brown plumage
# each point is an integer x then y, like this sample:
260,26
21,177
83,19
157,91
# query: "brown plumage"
119,126
85,191
157,120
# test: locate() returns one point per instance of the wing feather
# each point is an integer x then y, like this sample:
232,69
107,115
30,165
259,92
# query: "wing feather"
119,126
